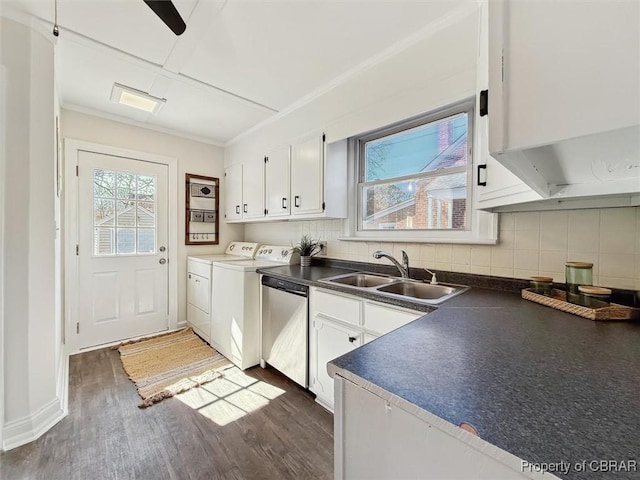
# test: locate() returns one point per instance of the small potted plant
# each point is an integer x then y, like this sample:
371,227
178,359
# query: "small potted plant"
306,249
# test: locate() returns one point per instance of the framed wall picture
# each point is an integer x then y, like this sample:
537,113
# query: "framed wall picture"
202,210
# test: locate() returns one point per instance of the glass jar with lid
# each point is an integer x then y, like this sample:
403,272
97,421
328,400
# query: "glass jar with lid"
576,274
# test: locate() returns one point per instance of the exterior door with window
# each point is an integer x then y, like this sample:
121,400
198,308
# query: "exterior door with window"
123,272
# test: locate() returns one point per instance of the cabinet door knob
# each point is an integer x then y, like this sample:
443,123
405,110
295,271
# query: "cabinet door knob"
296,201
284,202
238,209
245,208
352,339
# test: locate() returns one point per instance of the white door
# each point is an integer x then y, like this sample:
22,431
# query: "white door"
123,272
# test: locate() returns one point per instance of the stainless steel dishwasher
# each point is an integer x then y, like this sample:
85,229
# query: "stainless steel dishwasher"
285,339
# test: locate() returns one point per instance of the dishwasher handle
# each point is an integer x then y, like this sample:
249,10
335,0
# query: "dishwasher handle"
286,286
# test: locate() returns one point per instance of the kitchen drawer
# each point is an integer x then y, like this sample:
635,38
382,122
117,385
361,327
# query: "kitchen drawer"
199,268
337,307
383,319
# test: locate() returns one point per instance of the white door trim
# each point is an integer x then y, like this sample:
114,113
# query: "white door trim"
71,260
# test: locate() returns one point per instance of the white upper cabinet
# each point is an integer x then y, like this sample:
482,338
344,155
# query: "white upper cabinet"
278,192
564,96
307,175
233,192
305,180
244,191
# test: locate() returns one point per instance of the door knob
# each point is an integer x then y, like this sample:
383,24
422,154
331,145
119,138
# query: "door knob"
162,249
162,261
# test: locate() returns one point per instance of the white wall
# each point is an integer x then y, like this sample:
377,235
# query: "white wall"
29,335
193,157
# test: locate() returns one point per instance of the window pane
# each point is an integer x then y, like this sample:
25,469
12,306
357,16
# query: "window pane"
420,204
103,212
103,243
426,148
104,183
146,187
146,214
146,240
126,240
126,183
126,213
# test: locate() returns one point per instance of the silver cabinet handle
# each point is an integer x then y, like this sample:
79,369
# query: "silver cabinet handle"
296,201
245,208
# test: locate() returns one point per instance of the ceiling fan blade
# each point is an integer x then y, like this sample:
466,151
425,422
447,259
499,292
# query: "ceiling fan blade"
168,14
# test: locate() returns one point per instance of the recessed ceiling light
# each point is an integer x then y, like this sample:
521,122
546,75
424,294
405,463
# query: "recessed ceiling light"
135,98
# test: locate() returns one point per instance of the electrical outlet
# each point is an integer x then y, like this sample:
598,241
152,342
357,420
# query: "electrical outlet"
323,247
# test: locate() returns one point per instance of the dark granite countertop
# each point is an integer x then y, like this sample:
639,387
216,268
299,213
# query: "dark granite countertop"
541,384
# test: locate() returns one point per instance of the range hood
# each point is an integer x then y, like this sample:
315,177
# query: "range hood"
564,96
607,163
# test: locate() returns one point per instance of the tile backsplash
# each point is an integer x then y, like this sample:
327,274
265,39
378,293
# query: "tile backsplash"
530,243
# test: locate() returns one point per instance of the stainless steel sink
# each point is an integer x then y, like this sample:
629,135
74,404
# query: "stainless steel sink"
423,291
388,286
418,290
362,280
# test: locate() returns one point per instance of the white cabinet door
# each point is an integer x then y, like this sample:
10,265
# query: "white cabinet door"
253,189
307,182
277,183
332,340
233,192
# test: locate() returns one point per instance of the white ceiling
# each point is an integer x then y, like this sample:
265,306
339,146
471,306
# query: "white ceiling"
238,63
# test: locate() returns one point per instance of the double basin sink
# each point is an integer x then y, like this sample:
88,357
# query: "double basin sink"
397,287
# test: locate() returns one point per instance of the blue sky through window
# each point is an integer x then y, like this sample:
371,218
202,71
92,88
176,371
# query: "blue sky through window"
413,151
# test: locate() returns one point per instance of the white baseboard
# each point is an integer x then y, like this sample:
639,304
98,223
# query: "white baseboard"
30,428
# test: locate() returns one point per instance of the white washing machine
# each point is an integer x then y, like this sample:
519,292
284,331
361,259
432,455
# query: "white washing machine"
235,303
199,284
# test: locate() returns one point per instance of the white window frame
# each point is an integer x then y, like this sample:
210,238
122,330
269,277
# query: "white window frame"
481,227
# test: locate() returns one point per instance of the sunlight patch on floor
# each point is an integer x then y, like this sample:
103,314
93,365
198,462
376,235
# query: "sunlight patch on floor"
230,398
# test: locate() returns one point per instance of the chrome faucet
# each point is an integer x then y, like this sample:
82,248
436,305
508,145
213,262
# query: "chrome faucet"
403,267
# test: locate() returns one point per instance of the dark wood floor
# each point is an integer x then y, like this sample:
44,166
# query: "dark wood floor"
106,436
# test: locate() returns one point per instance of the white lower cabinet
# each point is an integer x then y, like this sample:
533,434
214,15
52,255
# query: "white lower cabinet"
375,439
333,339
340,323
